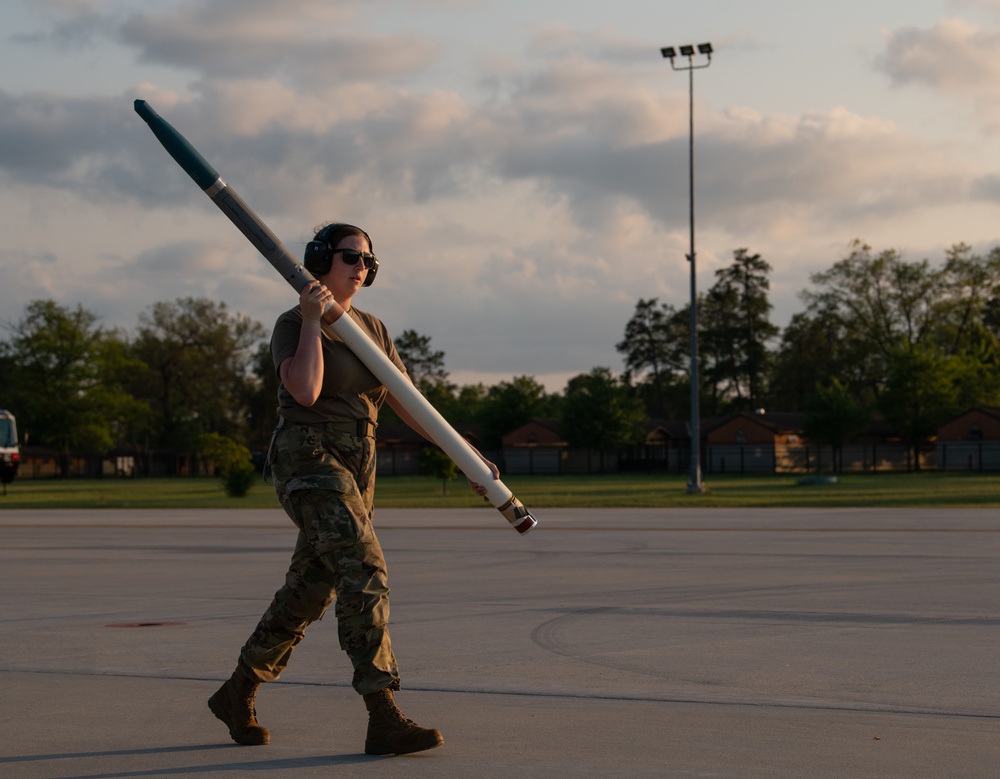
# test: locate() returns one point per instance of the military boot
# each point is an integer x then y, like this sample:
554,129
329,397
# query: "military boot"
233,704
390,733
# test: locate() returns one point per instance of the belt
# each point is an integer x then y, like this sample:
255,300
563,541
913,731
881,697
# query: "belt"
363,428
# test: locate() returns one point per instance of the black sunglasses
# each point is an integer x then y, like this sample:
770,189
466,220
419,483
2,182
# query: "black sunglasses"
351,257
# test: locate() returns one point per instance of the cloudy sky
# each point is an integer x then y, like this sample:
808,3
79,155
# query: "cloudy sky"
521,165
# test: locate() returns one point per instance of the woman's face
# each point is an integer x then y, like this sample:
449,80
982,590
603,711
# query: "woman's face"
343,279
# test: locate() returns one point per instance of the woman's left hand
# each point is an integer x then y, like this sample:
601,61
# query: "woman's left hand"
481,489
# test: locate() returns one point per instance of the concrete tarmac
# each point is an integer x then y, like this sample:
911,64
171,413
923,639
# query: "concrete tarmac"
606,643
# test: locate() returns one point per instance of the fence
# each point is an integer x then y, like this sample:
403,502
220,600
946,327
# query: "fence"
851,458
44,465
973,456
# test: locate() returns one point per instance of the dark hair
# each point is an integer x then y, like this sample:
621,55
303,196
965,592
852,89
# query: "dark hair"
319,251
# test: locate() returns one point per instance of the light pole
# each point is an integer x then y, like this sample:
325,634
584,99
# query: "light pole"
695,484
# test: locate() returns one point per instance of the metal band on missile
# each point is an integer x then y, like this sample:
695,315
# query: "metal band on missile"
251,225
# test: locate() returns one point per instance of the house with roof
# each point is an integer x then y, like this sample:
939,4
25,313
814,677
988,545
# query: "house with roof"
535,447
665,447
755,442
764,442
970,441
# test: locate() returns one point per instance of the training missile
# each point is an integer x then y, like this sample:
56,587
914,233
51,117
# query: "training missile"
253,227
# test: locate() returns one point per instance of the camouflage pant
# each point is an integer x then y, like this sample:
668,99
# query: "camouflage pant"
325,481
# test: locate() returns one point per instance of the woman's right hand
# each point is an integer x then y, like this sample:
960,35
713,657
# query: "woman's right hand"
314,300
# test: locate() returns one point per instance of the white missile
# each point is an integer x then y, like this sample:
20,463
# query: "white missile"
251,225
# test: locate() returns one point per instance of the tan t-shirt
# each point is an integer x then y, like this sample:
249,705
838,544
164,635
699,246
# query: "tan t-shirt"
350,391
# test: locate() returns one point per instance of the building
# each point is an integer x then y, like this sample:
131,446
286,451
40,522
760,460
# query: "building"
970,441
753,442
535,447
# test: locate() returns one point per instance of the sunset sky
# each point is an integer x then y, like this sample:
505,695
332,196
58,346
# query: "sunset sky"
522,167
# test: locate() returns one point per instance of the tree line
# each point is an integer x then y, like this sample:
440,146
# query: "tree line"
194,374
909,341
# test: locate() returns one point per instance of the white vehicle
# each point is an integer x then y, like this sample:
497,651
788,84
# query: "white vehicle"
10,452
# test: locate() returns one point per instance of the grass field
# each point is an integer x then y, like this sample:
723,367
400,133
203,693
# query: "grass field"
537,492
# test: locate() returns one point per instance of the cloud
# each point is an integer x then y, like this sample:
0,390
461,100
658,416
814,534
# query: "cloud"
311,44
825,167
516,226
25,275
989,5
94,147
43,136
987,188
74,24
583,131
954,58
752,169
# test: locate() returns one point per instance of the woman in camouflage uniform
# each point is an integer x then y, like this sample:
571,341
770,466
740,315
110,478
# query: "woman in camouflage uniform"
322,459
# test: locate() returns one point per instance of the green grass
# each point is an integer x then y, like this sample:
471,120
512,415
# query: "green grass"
536,492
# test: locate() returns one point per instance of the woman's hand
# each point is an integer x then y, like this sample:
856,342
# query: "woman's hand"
314,300
480,489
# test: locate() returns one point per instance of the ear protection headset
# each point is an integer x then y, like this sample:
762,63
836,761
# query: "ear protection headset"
319,252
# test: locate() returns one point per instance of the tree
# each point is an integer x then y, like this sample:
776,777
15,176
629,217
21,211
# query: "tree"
977,377
834,417
654,345
65,377
600,412
197,356
921,393
468,404
434,462
879,304
805,358
736,330
424,365
261,400
969,289
509,405
231,459
426,370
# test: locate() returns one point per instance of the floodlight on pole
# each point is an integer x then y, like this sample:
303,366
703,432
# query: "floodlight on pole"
695,484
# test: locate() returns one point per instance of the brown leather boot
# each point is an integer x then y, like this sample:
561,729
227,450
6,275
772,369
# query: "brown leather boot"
233,704
390,733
